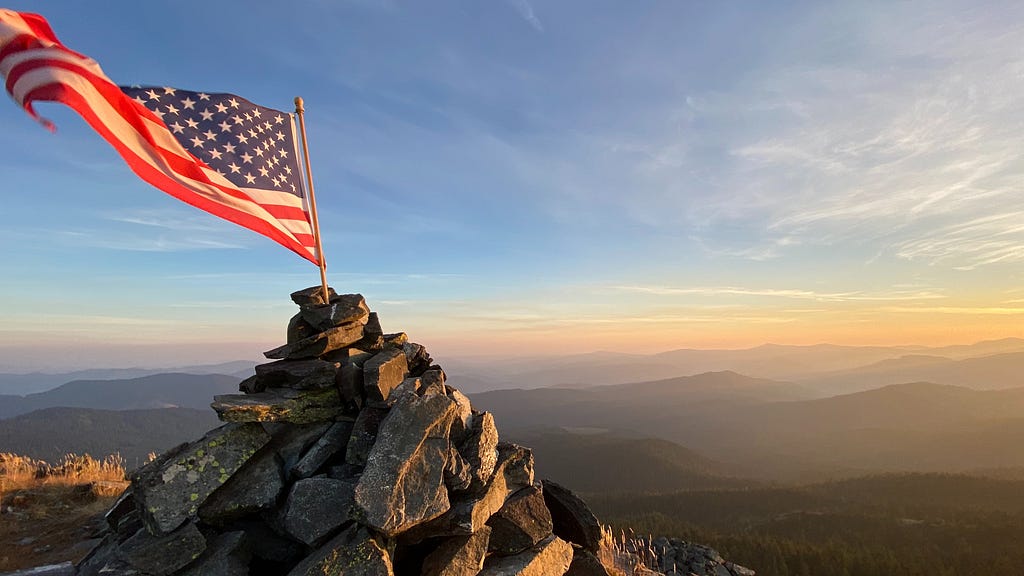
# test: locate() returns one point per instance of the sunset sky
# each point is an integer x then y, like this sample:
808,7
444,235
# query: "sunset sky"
523,176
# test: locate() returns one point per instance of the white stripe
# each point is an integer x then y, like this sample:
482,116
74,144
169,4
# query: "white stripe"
131,139
52,53
11,25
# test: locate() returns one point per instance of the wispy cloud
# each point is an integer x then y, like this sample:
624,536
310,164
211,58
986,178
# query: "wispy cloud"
525,10
895,295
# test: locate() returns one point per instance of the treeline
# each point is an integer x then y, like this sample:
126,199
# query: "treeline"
851,528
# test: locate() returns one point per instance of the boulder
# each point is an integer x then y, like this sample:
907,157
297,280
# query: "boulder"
350,386
297,374
586,563
551,557
403,482
319,343
333,442
299,329
354,552
253,488
521,523
228,554
458,555
316,507
382,373
290,441
364,435
312,296
571,517
343,309
280,405
165,554
170,489
480,449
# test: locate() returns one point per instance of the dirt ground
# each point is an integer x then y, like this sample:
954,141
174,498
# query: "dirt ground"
50,524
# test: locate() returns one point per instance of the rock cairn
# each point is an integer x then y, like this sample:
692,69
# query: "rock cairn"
346,455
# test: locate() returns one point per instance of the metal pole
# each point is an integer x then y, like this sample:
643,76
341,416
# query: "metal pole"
300,111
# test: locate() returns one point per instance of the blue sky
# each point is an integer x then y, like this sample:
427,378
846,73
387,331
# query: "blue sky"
520,176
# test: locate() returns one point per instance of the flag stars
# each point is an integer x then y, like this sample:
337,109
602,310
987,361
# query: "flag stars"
221,108
153,95
206,114
247,158
280,136
225,126
242,138
229,148
177,128
235,168
203,96
237,119
215,154
197,142
172,110
264,172
188,103
278,119
169,90
140,100
210,135
192,123
249,178
256,112
234,103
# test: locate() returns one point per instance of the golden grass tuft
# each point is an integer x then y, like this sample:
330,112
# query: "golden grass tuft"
625,555
21,472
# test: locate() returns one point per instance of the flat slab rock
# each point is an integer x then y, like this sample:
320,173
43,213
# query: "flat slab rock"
280,405
573,520
551,557
170,489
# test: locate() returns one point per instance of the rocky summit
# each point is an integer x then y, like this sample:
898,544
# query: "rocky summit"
350,454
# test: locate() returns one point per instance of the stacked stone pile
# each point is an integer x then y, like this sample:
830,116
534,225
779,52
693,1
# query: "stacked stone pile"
347,455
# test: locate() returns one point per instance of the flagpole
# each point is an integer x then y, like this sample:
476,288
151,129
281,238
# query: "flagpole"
300,111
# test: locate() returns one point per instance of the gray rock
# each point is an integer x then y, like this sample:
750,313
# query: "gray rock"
251,385
162,555
458,476
470,511
316,507
403,483
463,424
571,516
458,555
170,489
350,386
354,552
334,441
521,523
312,296
416,357
291,441
227,554
318,344
297,374
585,563
480,449
122,512
253,488
364,435
372,328
280,405
383,373
343,309
551,557
299,329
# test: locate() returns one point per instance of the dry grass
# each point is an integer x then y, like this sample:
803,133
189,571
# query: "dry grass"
625,555
49,512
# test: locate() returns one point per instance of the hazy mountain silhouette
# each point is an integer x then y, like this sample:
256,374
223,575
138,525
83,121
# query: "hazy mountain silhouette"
774,361
1004,370
50,433
605,461
156,391
35,382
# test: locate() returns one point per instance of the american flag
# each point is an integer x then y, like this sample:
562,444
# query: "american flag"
218,152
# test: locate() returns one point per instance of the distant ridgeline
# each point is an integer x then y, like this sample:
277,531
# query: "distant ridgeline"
350,455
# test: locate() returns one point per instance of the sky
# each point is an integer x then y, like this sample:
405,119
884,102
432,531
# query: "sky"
512,177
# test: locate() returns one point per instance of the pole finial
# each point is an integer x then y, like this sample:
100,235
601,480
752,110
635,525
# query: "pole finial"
298,104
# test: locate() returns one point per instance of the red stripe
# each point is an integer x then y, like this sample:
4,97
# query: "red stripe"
39,26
